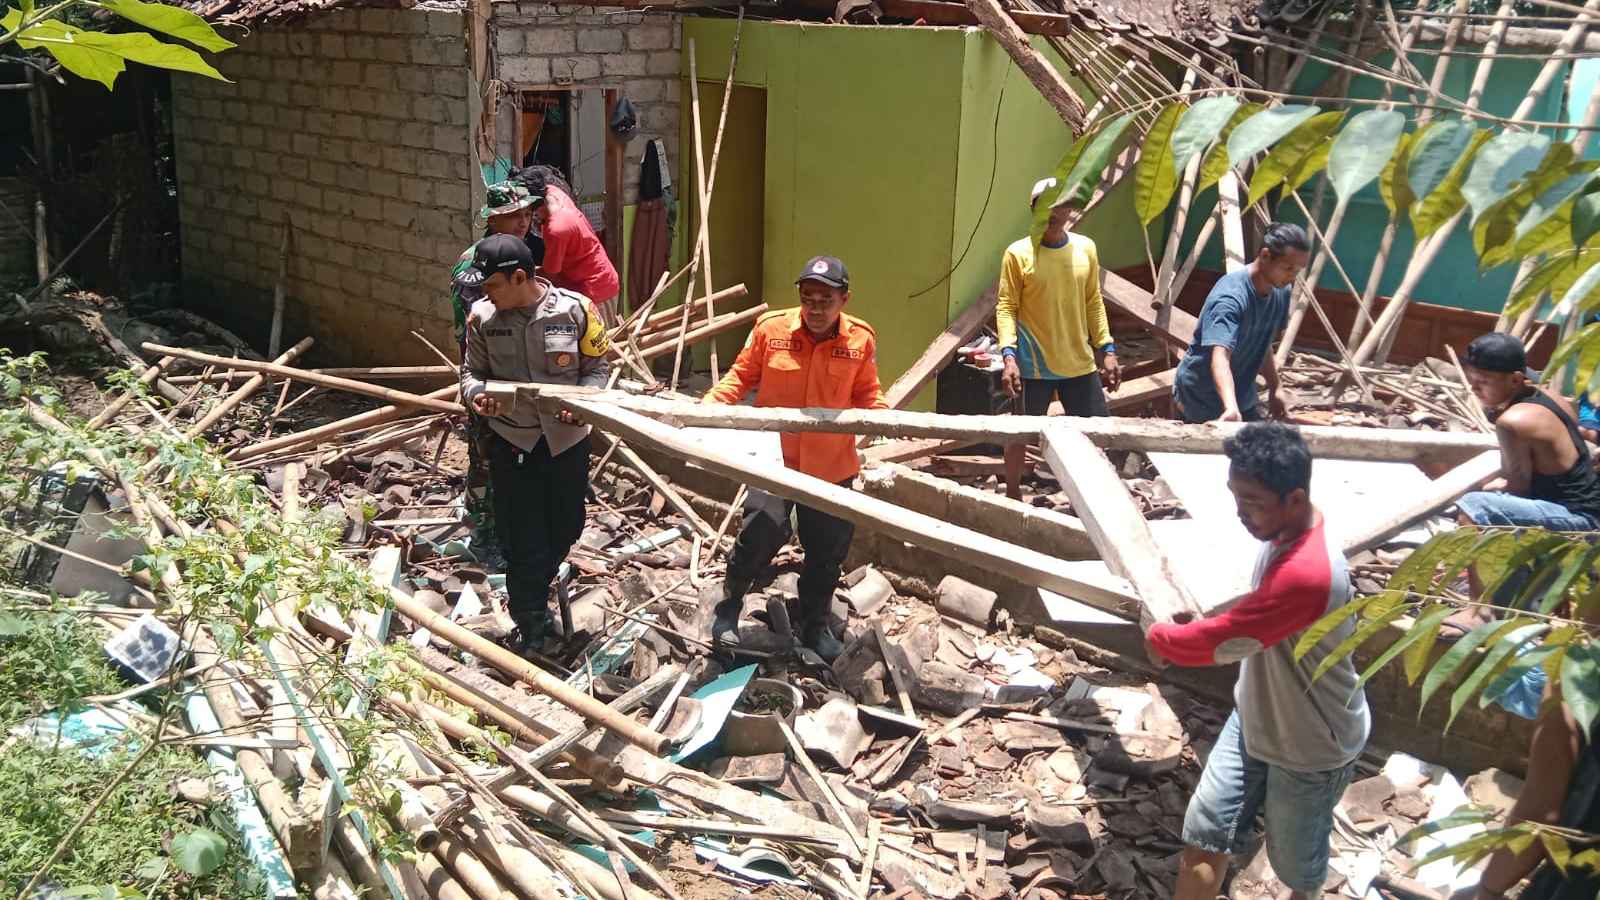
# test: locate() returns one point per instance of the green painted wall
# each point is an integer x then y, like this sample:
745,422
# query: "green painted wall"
1010,138
860,162
1453,279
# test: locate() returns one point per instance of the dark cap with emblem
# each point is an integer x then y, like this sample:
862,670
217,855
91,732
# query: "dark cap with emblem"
496,253
826,269
1497,352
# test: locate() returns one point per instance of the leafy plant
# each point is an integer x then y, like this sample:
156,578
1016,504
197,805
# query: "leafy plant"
102,56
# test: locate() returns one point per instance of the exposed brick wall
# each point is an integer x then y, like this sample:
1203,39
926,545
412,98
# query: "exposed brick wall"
540,45
353,125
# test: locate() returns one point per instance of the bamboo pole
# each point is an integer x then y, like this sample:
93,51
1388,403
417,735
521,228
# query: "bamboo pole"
1377,343
716,155
309,377
1180,218
540,680
379,416
244,392
1580,143
279,291
115,406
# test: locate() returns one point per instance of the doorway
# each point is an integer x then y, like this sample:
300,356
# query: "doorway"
565,128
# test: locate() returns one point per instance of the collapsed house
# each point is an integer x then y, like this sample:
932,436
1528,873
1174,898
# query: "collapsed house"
989,728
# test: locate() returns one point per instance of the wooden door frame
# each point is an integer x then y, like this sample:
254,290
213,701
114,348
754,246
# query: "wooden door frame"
616,154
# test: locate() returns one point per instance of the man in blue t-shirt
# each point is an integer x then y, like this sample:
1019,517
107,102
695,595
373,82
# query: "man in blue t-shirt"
1244,313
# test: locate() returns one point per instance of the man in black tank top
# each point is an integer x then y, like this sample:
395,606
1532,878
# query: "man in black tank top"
1548,479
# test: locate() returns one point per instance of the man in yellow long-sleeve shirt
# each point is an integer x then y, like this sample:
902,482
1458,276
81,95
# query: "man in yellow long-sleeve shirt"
1054,335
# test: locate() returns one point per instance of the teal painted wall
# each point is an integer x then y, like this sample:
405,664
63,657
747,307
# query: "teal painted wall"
1453,279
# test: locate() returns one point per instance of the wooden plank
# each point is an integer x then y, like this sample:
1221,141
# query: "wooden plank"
907,449
1108,433
1050,83
993,514
1446,489
1028,566
1136,393
942,350
1116,525
1142,305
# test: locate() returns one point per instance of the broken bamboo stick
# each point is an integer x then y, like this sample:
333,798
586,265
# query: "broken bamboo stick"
245,390
401,398
535,677
369,419
115,406
1050,83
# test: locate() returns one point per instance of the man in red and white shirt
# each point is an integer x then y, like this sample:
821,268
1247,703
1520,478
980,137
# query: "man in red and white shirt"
1289,748
574,257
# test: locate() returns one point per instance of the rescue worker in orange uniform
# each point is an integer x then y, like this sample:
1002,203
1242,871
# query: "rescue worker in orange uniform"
814,356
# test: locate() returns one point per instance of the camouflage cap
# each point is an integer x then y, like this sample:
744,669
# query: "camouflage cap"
506,197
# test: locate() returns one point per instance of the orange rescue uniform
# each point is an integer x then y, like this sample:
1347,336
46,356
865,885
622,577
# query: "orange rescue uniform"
787,367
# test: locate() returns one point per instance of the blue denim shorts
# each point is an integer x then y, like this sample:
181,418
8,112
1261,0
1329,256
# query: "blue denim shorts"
1298,806
1501,508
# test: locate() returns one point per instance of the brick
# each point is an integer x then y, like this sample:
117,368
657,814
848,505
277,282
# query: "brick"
271,210
337,150
623,64
444,24
242,157
309,196
663,62
318,122
428,109
211,109
323,225
252,87
398,159
371,263
385,131
349,125
332,46
455,112
399,214
302,44
272,43
365,206
600,40
324,172
659,118
379,76
417,136
360,46
450,140
276,93
651,36
525,70
377,21
536,41
304,144
575,68
334,97
452,195
392,49
434,165
346,72
431,51
507,42
228,134
327,275
294,167
418,191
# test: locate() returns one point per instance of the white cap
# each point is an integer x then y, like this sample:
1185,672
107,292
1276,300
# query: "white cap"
1039,187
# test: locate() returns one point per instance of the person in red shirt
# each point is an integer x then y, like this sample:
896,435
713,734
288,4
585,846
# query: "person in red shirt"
813,356
574,259
1289,748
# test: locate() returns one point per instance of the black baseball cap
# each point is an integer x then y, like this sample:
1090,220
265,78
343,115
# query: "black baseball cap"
826,269
1497,352
496,253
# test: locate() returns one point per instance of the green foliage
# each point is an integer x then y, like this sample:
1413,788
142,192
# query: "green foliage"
1080,171
1363,149
49,659
1216,162
200,851
102,56
1286,157
1155,177
1199,126
124,845
1557,572
1438,166
1502,162
1265,129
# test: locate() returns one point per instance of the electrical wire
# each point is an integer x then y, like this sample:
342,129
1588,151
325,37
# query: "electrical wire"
994,168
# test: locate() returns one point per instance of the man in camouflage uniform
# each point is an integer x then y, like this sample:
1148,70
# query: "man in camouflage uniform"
509,210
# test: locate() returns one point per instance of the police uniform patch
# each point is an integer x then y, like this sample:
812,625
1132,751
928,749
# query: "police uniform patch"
563,360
